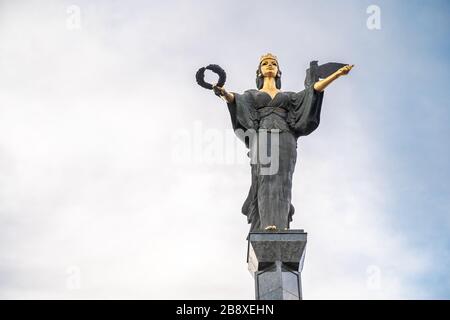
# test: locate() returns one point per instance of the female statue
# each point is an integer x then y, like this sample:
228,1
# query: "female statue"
289,115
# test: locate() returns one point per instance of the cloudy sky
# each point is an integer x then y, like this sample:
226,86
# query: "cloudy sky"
120,177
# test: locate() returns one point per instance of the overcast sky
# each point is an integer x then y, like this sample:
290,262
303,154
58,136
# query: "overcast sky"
120,177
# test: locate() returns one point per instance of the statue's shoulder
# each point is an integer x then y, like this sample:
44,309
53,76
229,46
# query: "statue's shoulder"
289,94
251,92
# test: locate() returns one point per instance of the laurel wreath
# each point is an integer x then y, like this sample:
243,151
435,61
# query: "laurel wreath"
200,76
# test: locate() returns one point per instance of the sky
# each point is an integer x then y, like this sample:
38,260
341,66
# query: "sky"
121,178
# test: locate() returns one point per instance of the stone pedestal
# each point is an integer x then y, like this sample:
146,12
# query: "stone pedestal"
275,260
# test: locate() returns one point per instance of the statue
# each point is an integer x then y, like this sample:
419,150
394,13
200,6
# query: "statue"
276,118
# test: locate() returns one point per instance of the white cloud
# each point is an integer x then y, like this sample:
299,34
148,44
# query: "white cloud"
87,180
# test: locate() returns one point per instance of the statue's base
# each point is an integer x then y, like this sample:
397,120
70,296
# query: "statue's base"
275,260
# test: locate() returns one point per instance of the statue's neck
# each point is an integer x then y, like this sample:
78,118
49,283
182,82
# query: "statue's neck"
269,84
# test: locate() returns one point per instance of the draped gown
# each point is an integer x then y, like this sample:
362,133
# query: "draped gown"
289,115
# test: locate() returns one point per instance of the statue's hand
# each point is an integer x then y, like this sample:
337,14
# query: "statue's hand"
319,86
345,70
220,91
224,94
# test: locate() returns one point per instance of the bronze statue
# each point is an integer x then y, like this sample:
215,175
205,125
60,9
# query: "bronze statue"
289,115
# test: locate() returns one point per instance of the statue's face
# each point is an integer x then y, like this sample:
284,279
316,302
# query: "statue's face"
269,67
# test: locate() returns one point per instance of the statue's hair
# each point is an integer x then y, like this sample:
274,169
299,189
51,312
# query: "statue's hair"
260,77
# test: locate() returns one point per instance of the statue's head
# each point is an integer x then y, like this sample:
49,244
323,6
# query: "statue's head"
268,67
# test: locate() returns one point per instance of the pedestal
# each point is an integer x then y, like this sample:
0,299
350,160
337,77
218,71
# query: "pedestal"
275,260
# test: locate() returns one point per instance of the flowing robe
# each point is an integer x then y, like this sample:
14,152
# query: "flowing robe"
289,115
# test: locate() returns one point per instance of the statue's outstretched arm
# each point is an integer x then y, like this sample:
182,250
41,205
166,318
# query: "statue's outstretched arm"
228,96
322,84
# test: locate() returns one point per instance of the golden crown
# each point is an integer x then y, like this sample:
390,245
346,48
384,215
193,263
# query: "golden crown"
268,56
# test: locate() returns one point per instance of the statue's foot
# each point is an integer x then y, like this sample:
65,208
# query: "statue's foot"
270,228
